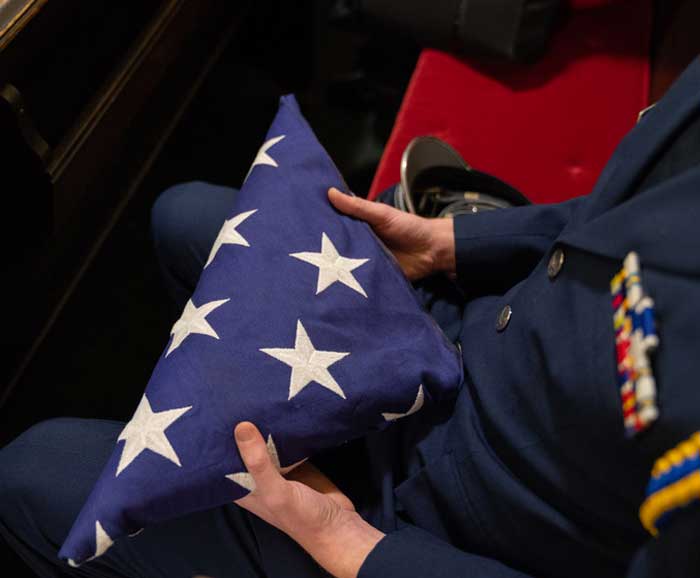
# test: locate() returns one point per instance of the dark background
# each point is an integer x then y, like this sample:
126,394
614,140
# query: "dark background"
99,353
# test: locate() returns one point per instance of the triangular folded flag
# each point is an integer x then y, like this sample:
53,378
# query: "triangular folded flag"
302,323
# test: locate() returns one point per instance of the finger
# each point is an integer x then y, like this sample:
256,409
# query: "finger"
256,458
369,211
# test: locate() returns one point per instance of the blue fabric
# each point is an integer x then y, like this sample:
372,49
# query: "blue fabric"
385,351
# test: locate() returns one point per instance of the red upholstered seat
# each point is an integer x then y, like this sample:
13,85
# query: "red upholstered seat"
546,128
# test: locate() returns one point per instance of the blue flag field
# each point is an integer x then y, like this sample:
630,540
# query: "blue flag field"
301,322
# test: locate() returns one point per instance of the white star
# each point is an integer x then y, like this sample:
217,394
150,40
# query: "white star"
229,235
243,479
332,266
414,408
308,364
146,431
262,158
102,543
193,320
246,480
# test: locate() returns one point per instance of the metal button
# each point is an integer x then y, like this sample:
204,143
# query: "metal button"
556,262
504,318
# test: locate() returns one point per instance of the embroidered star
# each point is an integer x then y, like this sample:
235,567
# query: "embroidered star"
414,408
246,480
228,235
193,320
146,431
102,543
308,364
262,158
332,267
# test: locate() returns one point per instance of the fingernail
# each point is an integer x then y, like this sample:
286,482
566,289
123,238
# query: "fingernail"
333,190
244,432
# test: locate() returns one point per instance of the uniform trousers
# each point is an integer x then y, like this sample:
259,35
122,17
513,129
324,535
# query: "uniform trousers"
47,473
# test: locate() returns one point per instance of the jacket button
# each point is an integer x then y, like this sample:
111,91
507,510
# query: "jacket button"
504,318
556,262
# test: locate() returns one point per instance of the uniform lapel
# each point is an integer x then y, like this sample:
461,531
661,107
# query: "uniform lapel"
645,142
662,224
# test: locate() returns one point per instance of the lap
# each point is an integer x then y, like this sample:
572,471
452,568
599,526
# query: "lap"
45,477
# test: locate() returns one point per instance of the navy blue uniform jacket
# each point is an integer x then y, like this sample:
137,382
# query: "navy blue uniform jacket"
532,474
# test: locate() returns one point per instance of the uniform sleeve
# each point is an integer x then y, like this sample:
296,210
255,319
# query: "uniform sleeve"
411,551
674,553
496,249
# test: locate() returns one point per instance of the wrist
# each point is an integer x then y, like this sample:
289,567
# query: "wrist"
444,245
343,547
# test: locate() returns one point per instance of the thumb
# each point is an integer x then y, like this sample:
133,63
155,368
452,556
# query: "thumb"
368,211
256,458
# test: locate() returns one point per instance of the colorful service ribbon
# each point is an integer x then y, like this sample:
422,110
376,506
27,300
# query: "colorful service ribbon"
635,338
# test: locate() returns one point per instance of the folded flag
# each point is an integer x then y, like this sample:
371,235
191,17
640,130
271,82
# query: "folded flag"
301,322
